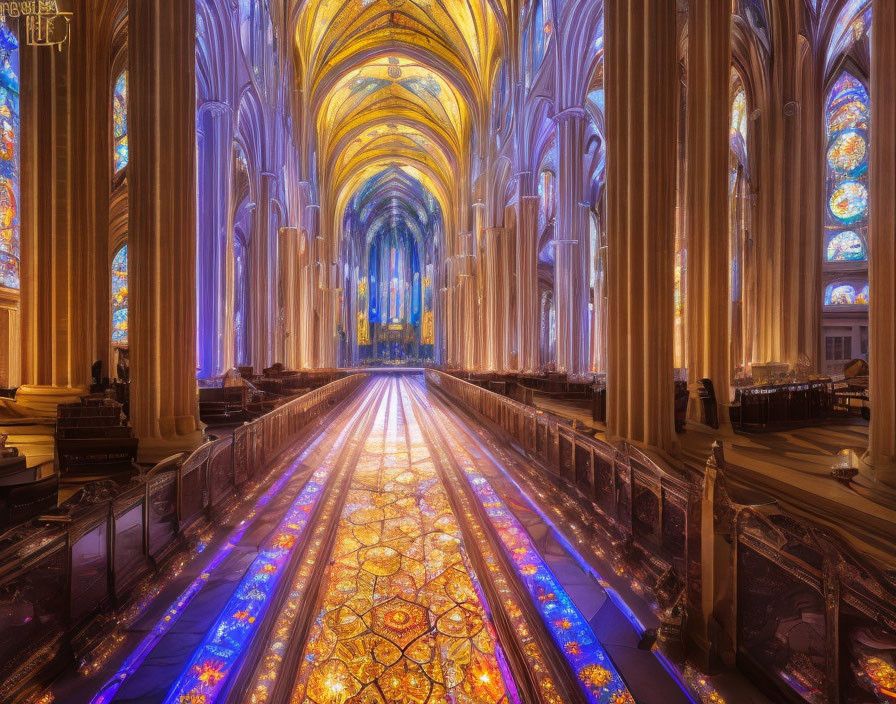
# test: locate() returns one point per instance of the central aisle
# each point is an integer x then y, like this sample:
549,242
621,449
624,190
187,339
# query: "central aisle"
408,568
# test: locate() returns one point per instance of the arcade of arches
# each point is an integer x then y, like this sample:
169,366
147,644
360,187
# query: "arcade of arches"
585,208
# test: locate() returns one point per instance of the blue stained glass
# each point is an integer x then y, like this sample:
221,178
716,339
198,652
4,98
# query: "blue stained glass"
840,295
120,297
120,121
846,246
849,202
9,158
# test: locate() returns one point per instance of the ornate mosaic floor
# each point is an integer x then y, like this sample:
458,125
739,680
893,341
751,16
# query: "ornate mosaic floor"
393,561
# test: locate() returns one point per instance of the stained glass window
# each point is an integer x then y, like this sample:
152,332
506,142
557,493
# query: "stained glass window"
840,295
846,246
9,158
846,162
739,116
546,196
120,297
120,121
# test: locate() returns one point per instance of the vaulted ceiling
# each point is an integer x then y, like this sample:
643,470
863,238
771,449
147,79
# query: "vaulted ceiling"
393,91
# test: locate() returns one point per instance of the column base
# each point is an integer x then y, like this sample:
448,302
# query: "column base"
37,404
878,480
152,450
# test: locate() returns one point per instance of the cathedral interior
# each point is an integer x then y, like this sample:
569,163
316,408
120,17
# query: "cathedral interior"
447,351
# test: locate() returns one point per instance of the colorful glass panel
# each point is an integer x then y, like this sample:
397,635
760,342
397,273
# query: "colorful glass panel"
120,297
120,121
849,202
848,153
846,246
739,116
862,296
848,105
840,295
9,158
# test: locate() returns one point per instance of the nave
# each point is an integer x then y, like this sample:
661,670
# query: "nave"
392,559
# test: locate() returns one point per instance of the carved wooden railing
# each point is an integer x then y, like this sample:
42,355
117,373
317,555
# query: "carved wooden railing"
60,574
804,613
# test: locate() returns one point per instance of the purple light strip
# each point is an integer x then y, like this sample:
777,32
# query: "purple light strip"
173,613
212,662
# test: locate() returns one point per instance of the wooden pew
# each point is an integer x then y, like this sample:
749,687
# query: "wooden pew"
93,442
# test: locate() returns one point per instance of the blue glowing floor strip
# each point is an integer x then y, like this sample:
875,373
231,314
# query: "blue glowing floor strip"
173,613
588,568
569,629
212,662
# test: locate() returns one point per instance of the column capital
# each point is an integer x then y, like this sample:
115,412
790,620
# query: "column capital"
215,107
569,114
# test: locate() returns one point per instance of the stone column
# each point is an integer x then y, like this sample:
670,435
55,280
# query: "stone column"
709,105
215,240
494,299
882,259
570,286
507,294
527,302
65,162
481,266
641,60
162,239
11,347
289,297
263,277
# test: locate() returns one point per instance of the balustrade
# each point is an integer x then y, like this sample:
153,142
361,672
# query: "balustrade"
60,573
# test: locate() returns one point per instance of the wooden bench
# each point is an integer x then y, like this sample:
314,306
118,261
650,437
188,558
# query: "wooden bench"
92,442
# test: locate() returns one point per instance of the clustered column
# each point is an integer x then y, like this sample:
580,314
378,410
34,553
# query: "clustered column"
64,209
571,247
215,240
527,276
641,61
162,134
709,58
882,259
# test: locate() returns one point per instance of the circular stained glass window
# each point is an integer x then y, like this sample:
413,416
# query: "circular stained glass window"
849,202
847,153
846,246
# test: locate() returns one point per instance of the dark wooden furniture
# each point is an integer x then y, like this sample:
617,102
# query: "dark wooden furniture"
92,441
782,406
23,494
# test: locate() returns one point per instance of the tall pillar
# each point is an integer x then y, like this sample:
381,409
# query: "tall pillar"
162,238
215,240
480,269
64,228
882,259
527,276
570,251
494,298
263,279
289,286
507,294
641,61
708,101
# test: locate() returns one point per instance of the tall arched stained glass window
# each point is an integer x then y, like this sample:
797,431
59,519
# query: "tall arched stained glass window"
9,158
120,297
546,196
120,121
846,160
738,220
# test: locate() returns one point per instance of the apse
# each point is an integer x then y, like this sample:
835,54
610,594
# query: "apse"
391,226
